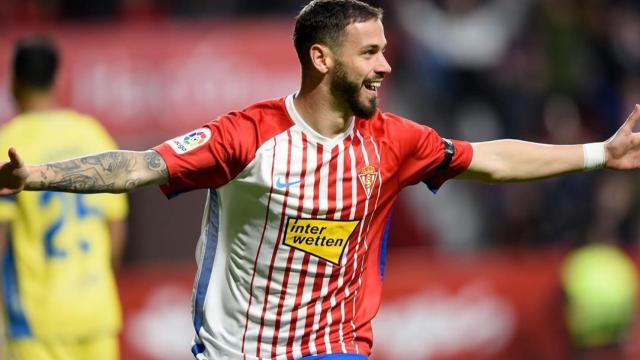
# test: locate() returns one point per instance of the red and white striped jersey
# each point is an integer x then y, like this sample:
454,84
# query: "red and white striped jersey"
291,253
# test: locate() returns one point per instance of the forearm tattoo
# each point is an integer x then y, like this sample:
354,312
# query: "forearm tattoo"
156,163
115,171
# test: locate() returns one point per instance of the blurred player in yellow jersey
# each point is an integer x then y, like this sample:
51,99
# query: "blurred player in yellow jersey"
59,293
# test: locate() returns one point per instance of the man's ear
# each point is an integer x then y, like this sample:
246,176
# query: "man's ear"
322,58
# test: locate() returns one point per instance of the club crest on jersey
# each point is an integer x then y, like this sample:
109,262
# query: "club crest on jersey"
190,141
323,238
368,176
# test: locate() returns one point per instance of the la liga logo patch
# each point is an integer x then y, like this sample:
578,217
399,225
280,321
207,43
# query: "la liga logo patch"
190,141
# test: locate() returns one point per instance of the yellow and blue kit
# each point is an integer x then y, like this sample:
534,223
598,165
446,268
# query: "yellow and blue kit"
58,283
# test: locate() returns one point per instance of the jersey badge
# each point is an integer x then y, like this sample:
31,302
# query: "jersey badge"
190,141
322,238
368,176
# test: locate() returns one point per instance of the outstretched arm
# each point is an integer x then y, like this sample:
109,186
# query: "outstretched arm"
514,160
112,172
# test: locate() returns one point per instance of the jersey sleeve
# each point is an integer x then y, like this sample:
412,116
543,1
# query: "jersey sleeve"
456,158
427,157
211,156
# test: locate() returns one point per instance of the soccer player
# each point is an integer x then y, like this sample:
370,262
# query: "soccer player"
291,253
60,296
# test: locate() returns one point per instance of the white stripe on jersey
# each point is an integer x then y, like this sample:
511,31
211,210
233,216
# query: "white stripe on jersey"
367,162
315,264
275,276
337,214
361,270
289,291
258,283
311,261
352,214
323,202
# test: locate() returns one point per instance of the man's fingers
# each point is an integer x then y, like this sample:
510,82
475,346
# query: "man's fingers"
5,192
630,124
15,159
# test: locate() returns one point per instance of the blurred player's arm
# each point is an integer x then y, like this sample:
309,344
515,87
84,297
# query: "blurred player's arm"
514,160
108,172
118,235
4,240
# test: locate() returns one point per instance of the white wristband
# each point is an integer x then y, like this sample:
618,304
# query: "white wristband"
594,156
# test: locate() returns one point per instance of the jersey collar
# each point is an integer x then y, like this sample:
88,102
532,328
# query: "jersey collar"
309,131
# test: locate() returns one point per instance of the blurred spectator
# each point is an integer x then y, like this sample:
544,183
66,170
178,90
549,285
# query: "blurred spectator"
457,43
208,8
89,9
467,34
624,37
565,43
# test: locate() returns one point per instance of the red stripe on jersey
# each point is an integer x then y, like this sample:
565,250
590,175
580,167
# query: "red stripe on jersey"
298,302
363,210
348,182
305,262
332,201
347,191
285,283
368,151
255,262
316,181
369,281
275,249
355,211
319,274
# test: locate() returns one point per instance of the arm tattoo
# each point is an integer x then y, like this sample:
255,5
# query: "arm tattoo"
113,171
156,163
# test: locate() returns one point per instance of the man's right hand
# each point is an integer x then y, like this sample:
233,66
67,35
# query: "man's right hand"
13,174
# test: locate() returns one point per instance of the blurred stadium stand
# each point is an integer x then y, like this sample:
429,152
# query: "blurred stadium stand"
479,263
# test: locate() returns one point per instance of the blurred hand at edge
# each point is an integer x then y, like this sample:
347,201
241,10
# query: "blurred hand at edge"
13,174
622,150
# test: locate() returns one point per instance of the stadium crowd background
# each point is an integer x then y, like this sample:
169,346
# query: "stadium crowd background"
556,71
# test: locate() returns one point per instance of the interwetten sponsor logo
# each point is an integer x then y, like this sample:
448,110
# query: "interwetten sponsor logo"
325,239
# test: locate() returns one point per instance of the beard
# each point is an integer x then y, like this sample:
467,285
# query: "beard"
344,88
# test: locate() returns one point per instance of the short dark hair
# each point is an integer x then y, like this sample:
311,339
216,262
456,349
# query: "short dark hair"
324,21
35,62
